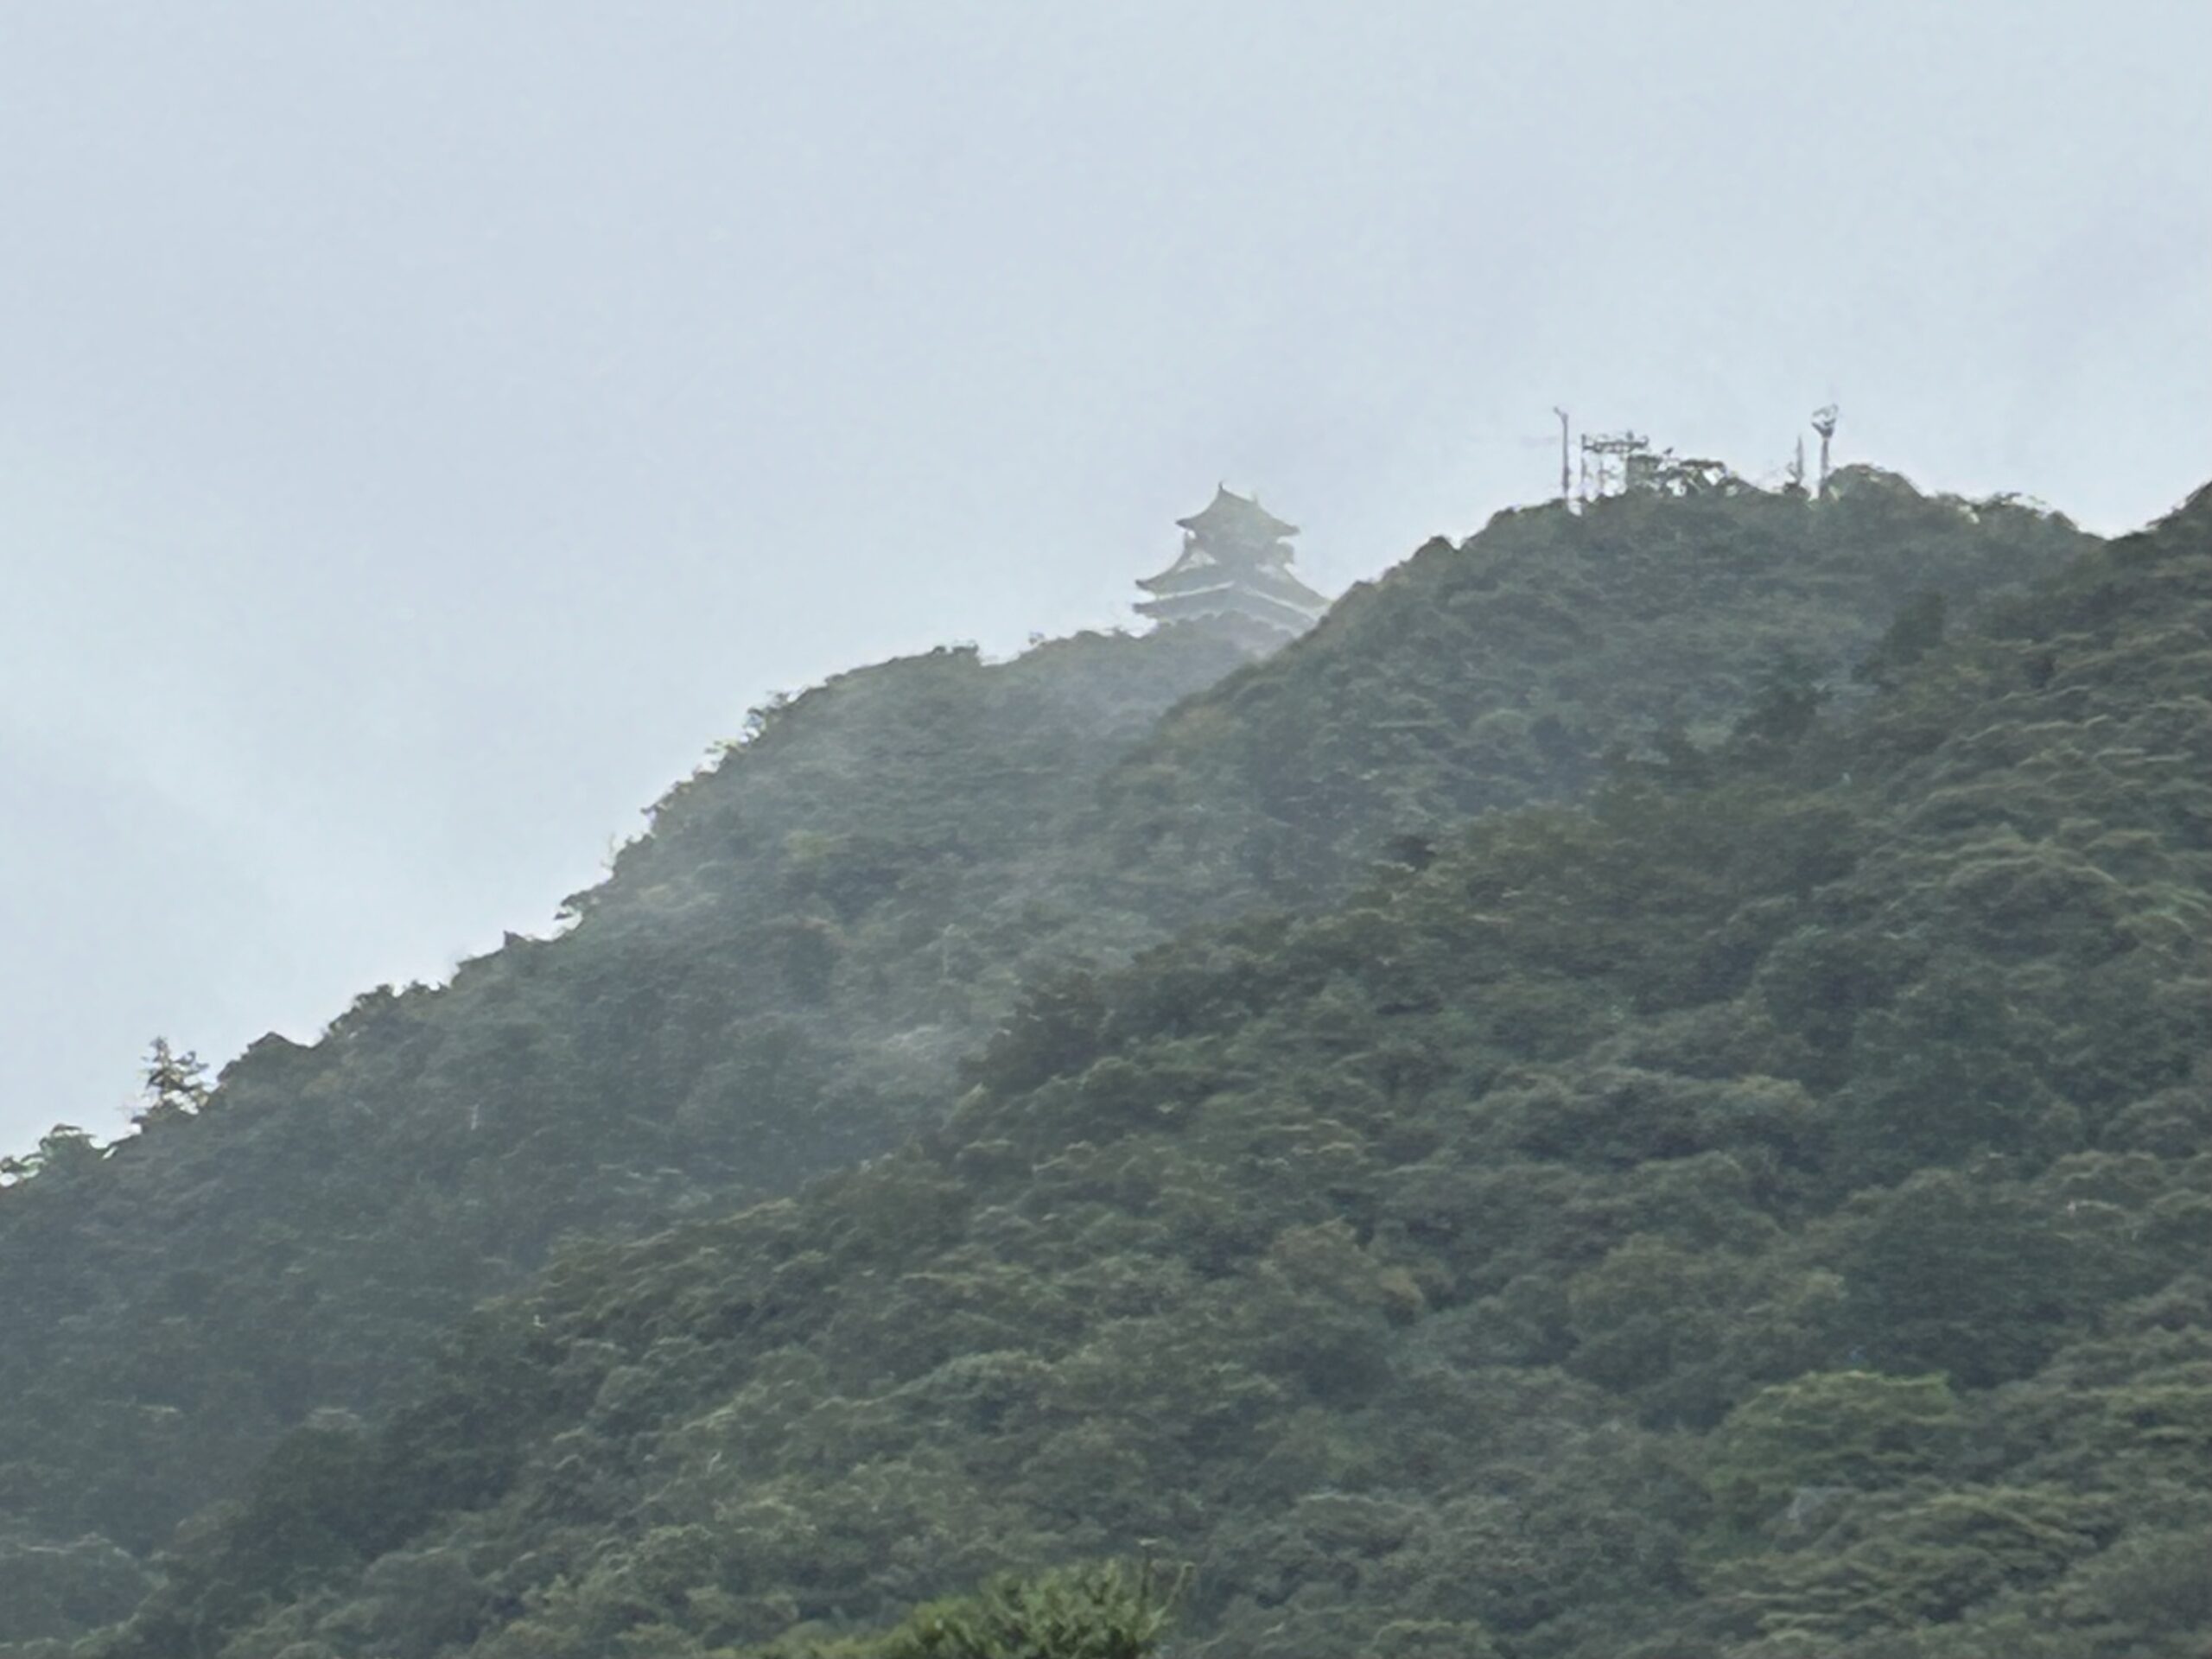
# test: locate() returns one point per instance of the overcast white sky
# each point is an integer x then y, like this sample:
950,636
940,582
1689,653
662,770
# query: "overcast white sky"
425,428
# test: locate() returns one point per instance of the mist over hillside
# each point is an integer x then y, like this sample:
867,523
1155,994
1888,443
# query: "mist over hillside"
1656,1051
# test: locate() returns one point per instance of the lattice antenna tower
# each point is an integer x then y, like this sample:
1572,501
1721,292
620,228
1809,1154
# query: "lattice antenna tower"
1565,472
1606,459
1796,467
1824,423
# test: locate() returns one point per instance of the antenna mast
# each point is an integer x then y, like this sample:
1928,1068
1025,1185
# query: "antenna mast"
1824,423
1566,476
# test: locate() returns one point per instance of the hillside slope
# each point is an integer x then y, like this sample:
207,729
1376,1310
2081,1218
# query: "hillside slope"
779,978
1763,1213
172,1305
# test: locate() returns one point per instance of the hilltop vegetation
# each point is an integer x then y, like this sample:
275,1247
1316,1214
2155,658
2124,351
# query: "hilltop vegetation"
1469,1210
1507,670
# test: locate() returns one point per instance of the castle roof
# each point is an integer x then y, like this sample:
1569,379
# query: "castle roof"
1283,616
1195,573
1230,517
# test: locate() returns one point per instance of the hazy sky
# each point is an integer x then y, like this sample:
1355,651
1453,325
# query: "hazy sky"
425,427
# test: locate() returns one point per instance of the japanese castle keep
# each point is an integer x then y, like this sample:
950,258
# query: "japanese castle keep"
1235,574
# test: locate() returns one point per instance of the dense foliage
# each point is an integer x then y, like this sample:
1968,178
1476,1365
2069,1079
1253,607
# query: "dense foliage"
1104,1611
294,1239
1507,670
1760,1212
781,975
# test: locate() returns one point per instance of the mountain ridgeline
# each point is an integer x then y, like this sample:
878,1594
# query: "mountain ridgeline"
1639,1090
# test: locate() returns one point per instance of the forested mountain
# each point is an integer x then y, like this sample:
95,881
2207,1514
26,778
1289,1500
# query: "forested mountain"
1468,1209
1762,1212
297,1244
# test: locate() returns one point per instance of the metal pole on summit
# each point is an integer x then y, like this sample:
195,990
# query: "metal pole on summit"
1824,423
1565,472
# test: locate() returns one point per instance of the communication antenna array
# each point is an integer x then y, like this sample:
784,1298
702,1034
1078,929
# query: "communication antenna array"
1609,459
